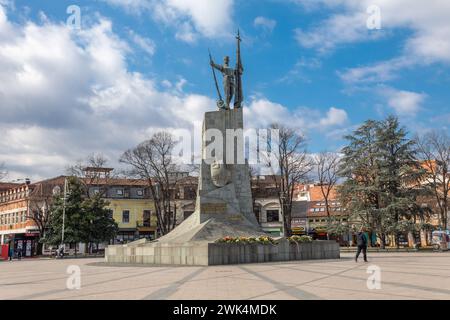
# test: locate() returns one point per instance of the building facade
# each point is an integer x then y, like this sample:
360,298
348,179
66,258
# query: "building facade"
19,203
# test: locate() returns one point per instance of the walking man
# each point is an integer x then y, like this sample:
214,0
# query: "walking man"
362,244
11,252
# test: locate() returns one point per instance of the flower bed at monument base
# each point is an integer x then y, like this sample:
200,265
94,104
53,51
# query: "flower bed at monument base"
204,253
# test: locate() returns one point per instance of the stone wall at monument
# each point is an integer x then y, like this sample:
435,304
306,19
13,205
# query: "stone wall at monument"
206,254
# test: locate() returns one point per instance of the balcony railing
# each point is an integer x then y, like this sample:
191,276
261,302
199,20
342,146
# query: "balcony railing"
143,224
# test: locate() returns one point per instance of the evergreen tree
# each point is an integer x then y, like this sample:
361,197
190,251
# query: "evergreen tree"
381,170
101,226
399,171
73,220
359,193
86,219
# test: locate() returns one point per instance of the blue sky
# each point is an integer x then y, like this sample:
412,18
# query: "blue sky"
139,65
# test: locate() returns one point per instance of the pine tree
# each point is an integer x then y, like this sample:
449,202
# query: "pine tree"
399,171
73,218
101,226
86,219
380,169
359,193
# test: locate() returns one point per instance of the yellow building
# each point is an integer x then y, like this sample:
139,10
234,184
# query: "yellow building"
135,217
130,202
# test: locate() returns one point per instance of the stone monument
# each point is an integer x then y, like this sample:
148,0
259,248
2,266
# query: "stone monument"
224,205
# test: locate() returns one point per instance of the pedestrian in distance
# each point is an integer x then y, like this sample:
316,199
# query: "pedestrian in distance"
11,253
361,239
19,254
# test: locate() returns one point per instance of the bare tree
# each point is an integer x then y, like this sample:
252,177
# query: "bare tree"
152,160
40,201
434,151
293,165
327,166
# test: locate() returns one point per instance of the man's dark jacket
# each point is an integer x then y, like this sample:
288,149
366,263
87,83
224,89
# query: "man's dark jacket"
361,239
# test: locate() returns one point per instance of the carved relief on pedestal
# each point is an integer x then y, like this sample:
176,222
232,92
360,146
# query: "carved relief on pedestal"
220,175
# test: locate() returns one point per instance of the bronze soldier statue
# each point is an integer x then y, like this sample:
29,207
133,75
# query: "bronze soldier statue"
232,80
228,79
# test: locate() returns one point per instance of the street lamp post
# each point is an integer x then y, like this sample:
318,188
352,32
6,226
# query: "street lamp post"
283,212
64,215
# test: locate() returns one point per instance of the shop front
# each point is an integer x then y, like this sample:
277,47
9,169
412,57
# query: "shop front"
24,244
298,226
145,232
125,236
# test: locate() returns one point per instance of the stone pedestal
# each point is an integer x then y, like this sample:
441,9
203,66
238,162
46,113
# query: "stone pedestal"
203,253
224,201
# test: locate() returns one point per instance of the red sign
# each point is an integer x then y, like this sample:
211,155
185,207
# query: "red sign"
32,234
4,251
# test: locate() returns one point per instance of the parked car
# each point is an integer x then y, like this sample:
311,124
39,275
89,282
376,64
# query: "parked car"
441,240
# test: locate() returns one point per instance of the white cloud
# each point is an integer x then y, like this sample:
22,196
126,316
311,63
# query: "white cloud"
428,21
145,44
334,117
405,103
266,24
188,17
65,95
337,30
261,113
379,72
298,71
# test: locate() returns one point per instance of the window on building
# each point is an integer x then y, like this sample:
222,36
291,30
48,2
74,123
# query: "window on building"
140,192
147,215
119,192
190,193
322,209
110,214
126,216
273,216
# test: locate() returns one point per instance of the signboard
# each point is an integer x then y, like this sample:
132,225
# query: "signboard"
213,208
298,222
31,234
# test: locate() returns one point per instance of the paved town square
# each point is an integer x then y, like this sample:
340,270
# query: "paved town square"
403,276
